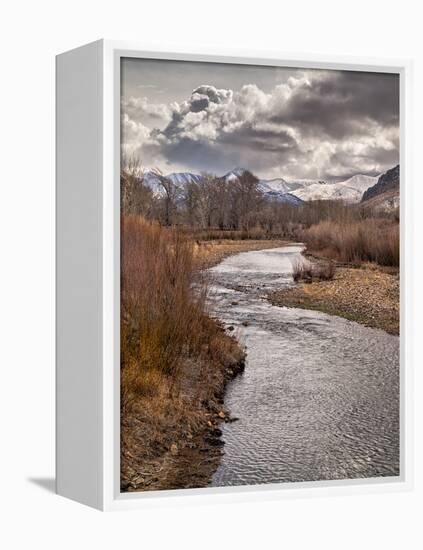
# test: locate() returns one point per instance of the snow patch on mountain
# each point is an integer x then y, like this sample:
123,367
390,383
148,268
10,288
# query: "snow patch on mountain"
152,180
277,185
350,190
360,182
183,178
234,174
179,179
287,198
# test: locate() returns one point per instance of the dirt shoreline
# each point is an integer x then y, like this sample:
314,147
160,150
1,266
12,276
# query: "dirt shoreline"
174,442
367,294
187,451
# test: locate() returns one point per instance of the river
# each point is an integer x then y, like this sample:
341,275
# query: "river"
319,398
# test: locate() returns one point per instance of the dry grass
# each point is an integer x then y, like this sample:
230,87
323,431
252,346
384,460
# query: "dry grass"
370,240
160,311
303,270
213,234
175,360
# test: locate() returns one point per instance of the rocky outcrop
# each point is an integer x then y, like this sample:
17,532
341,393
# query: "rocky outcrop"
389,181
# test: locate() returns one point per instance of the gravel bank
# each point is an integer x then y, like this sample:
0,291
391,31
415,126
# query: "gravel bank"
367,295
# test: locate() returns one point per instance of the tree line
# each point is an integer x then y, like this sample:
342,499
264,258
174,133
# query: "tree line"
226,204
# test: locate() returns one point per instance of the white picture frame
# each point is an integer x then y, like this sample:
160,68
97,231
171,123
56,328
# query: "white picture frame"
88,274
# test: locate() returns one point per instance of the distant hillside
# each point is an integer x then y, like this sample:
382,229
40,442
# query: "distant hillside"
276,189
294,192
389,181
360,182
387,201
350,190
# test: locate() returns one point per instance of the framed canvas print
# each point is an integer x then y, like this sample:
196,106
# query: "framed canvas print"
231,244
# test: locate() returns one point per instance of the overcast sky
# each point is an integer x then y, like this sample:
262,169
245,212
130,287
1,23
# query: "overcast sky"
290,123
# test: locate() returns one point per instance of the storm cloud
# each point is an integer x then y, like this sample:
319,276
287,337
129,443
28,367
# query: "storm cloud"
307,123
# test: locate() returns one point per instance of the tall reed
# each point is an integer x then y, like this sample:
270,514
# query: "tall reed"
160,311
368,240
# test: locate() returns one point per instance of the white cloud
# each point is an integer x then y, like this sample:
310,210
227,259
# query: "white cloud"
316,124
139,108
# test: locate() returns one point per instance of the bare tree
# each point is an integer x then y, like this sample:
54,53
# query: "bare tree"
136,197
206,200
246,199
171,194
222,203
191,204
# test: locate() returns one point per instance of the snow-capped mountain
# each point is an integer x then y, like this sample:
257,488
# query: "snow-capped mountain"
314,191
350,190
291,191
277,185
183,178
385,194
360,182
179,179
280,190
152,180
275,189
288,198
234,174
305,182
388,181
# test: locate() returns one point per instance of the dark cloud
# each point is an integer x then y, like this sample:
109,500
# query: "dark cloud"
262,140
372,156
315,124
340,104
204,156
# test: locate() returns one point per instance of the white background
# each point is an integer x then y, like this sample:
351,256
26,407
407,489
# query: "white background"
32,32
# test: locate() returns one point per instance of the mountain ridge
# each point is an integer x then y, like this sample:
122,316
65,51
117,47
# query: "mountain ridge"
389,181
292,191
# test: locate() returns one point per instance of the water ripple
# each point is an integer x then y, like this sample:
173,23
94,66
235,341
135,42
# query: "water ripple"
319,398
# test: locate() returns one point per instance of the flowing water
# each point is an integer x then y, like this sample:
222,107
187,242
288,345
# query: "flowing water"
319,398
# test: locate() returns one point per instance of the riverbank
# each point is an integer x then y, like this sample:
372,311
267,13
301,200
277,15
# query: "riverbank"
367,294
171,440
175,363
170,435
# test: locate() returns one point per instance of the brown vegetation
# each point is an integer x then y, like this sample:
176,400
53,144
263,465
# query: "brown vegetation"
303,270
369,240
236,209
159,309
369,294
214,234
175,360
